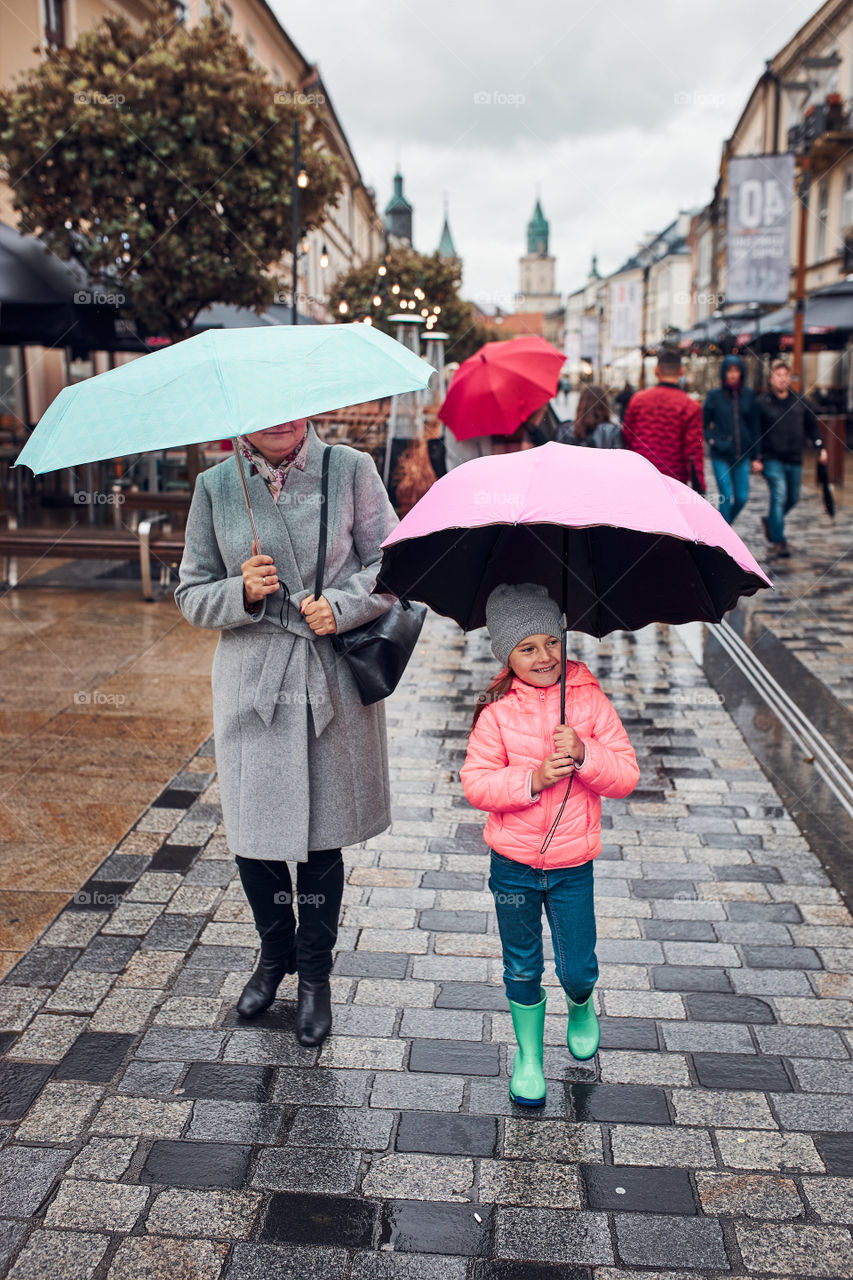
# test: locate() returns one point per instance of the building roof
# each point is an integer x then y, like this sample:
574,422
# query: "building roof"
398,200
446,247
518,323
537,230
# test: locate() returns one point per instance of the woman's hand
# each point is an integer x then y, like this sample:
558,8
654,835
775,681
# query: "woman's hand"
260,577
551,771
319,616
568,743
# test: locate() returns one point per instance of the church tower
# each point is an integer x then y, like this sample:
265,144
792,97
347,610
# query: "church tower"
537,269
398,214
446,247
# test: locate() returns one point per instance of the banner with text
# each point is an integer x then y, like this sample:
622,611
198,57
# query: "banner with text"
626,306
758,258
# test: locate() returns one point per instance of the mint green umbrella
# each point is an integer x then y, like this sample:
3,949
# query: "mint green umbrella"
225,382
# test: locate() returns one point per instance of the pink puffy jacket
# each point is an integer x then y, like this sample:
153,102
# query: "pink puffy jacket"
511,739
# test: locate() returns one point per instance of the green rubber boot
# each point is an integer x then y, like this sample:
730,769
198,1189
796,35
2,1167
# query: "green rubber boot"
527,1086
583,1034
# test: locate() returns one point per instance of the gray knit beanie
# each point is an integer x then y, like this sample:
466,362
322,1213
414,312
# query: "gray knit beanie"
512,613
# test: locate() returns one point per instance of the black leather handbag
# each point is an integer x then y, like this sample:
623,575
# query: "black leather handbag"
378,652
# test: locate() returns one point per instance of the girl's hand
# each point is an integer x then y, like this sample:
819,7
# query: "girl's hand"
552,770
319,616
568,743
260,577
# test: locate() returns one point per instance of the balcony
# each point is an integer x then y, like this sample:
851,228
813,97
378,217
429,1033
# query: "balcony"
825,131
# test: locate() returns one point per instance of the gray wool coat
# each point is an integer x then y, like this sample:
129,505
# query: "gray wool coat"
302,764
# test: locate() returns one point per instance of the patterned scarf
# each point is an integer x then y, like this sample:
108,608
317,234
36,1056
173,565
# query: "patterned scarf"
274,476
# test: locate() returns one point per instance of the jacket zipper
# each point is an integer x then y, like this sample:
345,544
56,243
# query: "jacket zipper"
547,795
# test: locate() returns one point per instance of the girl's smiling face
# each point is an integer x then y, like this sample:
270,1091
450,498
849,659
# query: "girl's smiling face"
536,660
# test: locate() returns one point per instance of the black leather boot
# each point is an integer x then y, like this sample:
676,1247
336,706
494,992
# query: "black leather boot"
313,1011
259,992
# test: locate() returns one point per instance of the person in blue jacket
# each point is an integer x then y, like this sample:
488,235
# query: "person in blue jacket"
732,425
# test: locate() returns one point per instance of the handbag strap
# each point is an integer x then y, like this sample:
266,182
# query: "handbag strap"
324,523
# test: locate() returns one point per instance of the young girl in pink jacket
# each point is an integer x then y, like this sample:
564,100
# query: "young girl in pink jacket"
519,765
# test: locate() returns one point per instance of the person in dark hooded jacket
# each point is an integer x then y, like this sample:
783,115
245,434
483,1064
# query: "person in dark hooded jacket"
732,425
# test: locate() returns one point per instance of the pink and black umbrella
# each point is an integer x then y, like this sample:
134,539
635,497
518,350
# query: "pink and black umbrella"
609,536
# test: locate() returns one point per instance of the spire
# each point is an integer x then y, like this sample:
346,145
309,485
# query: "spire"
446,247
537,232
398,212
398,200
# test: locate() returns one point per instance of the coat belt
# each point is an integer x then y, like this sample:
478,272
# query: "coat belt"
294,657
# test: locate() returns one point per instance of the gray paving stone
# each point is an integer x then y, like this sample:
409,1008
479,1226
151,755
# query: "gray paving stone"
770,982
820,1112
730,1109
290,1262
395,1090
221,1121
761,1149
164,1043
341,1127
830,1198
660,1240
322,1087
791,1248
823,1075
551,1236
442,1024
707,1037
749,1195
789,957
660,1147
330,1172
720,955
408,1266
801,1042
26,1175
96,1206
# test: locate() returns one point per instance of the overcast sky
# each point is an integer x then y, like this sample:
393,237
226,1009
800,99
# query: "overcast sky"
615,111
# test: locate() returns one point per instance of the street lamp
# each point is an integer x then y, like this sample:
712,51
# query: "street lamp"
324,257
300,182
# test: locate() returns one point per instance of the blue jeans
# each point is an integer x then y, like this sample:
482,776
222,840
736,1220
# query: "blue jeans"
566,893
733,483
783,480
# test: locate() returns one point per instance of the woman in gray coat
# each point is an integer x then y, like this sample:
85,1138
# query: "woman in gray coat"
303,765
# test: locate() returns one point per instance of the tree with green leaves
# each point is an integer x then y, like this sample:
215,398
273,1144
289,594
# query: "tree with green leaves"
162,160
369,290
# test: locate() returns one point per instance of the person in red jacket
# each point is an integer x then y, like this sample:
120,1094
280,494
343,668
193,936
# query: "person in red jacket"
541,783
664,425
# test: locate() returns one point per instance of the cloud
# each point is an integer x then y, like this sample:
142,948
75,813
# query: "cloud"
616,111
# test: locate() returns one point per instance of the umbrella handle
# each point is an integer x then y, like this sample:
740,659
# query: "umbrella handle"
238,459
563,657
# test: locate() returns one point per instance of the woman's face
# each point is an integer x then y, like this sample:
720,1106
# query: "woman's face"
276,442
536,660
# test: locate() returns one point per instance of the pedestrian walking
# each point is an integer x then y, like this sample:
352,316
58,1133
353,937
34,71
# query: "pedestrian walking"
541,783
593,425
303,766
786,420
731,423
622,399
664,424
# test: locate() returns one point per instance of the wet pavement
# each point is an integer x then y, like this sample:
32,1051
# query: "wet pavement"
150,1132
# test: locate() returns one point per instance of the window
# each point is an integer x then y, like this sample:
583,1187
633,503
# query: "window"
822,213
54,23
847,200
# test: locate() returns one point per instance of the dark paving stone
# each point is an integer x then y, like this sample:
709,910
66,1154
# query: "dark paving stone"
171,798
611,853
683,977
781,958
370,964
454,921
198,982
657,1240
174,932
294,1218
11,1234
43,966
772,912
27,1175
836,1152
443,1134
7,1039
454,1057
294,1262
663,889
100,895
677,751
638,1190
679,930
197,1164
707,1006
354,1128
716,810
122,866
498,1270
238,1081
221,958
414,1226
20,1085
452,880
471,995
174,857
728,840
280,1016
741,1071
619,1103
164,1044
750,871
146,1079
107,955
215,871
204,813
94,1055
628,1033
327,1088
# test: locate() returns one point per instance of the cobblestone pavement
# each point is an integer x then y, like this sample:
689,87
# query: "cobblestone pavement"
148,1132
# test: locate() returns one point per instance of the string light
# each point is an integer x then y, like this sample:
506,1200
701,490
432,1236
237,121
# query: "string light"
395,288
343,307
383,271
377,301
324,257
302,179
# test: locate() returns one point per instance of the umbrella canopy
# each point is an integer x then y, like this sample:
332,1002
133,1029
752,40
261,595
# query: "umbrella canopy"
494,390
222,382
617,542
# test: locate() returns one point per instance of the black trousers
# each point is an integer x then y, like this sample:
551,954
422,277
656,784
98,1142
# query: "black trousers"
319,889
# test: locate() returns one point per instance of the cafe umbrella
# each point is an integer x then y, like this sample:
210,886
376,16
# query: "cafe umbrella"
617,544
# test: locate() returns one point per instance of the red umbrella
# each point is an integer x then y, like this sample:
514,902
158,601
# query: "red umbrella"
498,387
